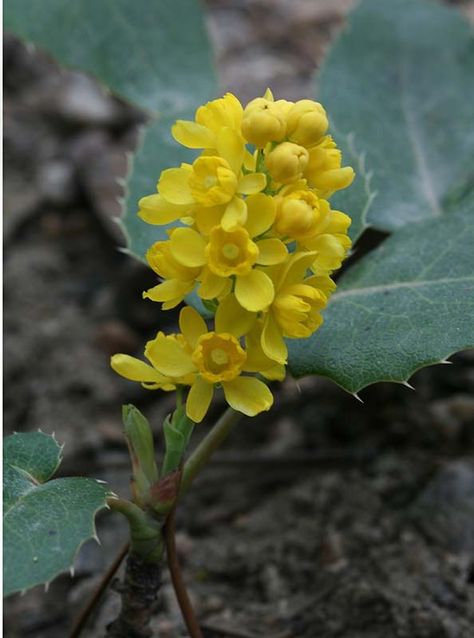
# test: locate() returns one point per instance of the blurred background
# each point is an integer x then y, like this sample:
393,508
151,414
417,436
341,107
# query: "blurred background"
325,517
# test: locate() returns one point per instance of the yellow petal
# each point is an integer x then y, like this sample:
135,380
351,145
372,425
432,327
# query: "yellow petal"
295,269
339,222
174,187
168,356
192,325
271,252
187,247
169,290
135,370
260,214
273,343
231,317
323,283
254,291
268,95
275,373
250,160
154,209
199,399
252,183
193,135
235,214
208,217
211,285
330,250
231,147
257,360
248,395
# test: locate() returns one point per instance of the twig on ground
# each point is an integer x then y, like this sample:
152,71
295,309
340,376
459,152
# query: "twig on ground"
85,613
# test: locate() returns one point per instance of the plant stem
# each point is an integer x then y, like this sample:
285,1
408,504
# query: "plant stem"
85,613
139,591
145,531
207,447
177,577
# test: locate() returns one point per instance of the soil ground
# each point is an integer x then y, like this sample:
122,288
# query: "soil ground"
325,518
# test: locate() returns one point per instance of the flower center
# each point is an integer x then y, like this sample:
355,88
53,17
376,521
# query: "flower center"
218,357
209,181
230,251
212,181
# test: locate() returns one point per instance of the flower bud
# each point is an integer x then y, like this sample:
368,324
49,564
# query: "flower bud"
142,452
297,215
324,171
306,122
263,122
287,162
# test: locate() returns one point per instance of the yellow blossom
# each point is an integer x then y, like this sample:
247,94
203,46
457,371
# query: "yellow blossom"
306,122
331,241
210,120
287,162
201,359
299,215
264,120
236,254
324,171
296,309
179,279
209,182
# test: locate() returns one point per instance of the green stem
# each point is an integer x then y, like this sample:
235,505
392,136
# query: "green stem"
201,455
146,538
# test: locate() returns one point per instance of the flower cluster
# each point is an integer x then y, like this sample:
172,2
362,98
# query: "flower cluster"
253,234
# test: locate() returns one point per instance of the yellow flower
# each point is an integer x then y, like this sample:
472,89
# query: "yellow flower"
201,359
179,279
211,118
287,162
210,181
299,215
306,122
232,254
331,241
264,120
296,309
324,172
150,376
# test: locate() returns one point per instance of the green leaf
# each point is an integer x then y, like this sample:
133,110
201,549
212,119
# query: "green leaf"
406,305
154,54
44,521
399,79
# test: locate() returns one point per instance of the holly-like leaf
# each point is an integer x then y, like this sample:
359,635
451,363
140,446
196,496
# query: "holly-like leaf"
406,305
153,54
398,81
44,521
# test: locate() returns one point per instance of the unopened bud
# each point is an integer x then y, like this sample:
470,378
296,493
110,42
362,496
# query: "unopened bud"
324,171
330,181
142,452
287,162
263,122
306,123
297,215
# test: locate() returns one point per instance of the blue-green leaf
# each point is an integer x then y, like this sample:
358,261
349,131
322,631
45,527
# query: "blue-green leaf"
399,81
44,521
406,305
